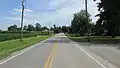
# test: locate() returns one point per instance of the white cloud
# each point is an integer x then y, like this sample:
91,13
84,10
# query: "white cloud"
61,16
20,10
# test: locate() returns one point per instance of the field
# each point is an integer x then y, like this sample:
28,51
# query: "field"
10,46
10,41
8,35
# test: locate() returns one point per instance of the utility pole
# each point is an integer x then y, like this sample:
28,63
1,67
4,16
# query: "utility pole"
86,8
22,19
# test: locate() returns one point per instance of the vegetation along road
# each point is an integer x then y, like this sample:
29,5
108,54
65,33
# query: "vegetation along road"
83,39
8,47
61,52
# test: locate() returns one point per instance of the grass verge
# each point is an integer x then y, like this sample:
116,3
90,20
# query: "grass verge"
8,47
95,39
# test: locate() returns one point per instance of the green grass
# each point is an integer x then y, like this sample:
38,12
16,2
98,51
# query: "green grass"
8,47
95,39
10,35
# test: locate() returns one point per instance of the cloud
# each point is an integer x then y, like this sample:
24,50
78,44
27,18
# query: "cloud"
59,4
59,12
20,10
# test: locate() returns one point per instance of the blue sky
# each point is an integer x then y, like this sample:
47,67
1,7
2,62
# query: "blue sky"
58,12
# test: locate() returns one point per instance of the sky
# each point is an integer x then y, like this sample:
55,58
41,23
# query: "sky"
45,12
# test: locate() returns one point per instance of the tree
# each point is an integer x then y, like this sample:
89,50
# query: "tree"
25,28
12,28
19,29
44,28
109,16
51,28
69,29
38,27
91,28
30,28
55,28
79,23
64,29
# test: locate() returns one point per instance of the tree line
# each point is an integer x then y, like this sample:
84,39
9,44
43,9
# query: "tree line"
38,27
80,25
29,27
108,23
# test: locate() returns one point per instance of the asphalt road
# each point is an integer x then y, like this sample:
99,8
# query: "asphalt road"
107,51
56,52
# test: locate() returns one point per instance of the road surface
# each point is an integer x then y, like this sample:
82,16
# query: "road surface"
109,52
56,52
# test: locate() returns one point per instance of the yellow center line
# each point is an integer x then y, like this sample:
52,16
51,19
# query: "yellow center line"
48,63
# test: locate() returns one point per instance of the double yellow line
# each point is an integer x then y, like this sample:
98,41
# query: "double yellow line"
48,63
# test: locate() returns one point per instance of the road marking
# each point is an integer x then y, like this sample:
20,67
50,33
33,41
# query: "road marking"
23,51
91,57
48,63
49,58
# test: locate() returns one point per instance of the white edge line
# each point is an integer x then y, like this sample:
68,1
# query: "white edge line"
91,56
88,54
23,51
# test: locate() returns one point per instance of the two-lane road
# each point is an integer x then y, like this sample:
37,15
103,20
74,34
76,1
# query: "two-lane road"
56,52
